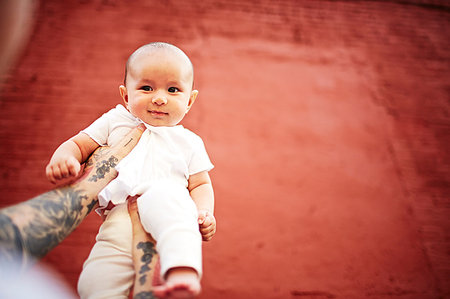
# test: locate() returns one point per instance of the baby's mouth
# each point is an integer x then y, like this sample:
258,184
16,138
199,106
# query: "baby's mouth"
157,113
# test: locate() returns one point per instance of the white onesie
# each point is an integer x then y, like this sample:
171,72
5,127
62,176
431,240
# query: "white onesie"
158,169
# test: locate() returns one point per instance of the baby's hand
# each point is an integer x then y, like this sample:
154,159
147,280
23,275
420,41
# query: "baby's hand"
207,224
60,168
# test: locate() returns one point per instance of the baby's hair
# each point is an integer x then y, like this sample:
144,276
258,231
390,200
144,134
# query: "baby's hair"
153,46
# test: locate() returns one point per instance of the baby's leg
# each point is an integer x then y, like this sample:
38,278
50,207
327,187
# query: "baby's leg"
108,272
168,213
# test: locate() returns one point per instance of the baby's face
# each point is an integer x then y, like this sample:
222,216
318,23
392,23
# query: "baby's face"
159,88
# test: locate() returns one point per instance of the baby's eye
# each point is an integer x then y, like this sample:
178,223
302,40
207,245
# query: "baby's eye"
173,89
146,88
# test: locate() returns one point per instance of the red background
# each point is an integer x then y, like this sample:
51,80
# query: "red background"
327,121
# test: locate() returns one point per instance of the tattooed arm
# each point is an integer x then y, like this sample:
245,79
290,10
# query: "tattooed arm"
32,228
145,257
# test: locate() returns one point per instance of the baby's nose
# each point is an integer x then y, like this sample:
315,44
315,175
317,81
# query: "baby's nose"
159,100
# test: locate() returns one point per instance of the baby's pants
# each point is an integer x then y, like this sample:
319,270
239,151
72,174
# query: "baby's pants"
169,214
109,272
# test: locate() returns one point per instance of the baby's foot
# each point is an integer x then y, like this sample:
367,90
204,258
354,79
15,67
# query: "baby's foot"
180,283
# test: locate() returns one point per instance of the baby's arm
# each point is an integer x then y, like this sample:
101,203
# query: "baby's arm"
66,160
201,191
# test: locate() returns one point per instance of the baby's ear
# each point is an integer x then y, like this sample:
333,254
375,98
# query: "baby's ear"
192,99
124,94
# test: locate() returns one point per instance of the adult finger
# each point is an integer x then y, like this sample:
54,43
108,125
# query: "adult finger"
100,167
128,142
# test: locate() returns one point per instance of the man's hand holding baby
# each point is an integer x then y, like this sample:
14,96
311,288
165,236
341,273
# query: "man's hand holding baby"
207,223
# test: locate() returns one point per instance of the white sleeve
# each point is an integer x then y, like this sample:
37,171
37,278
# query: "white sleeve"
99,129
199,160
112,126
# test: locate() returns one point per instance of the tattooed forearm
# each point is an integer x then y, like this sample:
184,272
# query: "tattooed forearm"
103,168
34,227
10,240
149,252
144,295
145,263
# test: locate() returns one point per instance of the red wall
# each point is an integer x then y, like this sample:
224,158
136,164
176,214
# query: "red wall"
328,124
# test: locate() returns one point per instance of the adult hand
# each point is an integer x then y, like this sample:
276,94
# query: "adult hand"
32,228
100,167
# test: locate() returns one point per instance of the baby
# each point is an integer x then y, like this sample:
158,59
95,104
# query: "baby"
168,168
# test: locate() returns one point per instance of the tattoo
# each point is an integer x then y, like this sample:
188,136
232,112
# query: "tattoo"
131,139
149,253
144,295
10,240
103,168
36,226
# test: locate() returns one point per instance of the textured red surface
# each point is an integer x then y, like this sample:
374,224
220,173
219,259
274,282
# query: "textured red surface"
328,123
